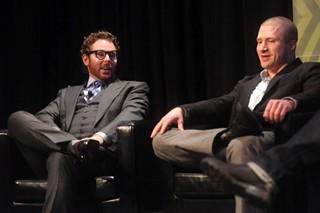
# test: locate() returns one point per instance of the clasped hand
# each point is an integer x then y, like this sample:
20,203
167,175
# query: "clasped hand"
94,137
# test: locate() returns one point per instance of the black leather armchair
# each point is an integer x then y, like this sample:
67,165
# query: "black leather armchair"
177,189
131,189
190,191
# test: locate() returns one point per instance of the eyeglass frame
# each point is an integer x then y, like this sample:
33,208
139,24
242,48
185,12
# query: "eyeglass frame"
105,52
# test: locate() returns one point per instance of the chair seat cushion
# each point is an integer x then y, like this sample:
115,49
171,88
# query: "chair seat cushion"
33,191
196,185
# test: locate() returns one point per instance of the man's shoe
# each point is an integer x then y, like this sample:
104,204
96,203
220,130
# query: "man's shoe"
86,150
248,181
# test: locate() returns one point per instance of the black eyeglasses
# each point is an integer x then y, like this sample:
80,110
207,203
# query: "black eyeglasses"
101,54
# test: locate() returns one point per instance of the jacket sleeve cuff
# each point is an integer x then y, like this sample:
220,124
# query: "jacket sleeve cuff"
295,102
106,139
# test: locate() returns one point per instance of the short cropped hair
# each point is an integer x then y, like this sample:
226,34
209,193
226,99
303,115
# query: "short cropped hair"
290,29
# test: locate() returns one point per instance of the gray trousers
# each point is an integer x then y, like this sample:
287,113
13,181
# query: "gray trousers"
39,144
187,148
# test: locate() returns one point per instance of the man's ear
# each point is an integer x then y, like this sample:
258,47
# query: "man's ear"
292,44
85,59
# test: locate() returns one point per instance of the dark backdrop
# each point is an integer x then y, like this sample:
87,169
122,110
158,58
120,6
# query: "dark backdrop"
186,50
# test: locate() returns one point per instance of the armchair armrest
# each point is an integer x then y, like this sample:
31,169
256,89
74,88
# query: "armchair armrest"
127,179
291,125
3,132
140,187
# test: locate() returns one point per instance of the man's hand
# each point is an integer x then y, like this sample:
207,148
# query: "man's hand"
174,116
277,109
94,137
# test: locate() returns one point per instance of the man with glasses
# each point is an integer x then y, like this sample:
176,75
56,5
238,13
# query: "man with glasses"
74,137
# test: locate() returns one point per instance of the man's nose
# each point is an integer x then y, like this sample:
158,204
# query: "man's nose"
263,47
107,58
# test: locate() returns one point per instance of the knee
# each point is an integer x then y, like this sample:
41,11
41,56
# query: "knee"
162,147
238,152
158,144
15,118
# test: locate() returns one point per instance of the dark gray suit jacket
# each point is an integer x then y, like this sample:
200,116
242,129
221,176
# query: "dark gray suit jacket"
298,80
121,102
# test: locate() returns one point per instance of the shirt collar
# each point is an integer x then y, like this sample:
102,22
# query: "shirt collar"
264,75
90,81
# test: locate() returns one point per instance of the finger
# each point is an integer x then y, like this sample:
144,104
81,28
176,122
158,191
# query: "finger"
272,114
281,116
164,126
180,125
267,111
281,111
271,110
275,117
285,109
156,129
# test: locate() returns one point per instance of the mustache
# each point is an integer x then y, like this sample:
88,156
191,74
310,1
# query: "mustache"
107,67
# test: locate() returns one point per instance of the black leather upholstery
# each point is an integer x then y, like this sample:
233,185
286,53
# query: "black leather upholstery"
143,182
189,191
178,189
135,187
195,185
103,194
33,190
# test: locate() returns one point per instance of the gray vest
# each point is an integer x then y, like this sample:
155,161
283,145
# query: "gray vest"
82,124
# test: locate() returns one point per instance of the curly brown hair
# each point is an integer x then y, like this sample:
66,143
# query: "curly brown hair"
93,37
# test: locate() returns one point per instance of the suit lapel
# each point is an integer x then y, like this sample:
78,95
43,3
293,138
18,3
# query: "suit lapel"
272,83
71,98
289,68
108,96
248,88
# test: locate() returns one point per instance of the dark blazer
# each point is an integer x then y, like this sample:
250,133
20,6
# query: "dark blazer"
121,102
298,80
